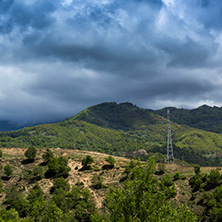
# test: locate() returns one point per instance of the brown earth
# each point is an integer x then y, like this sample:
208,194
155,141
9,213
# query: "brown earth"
15,156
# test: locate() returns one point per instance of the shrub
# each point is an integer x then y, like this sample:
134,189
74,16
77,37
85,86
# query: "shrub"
60,183
214,178
1,153
58,167
38,172
1,187
167,181
176,176
97,181
9,215
161,168
52,213
8,170
30,153
16,200
35,194
197,183
111,160
27,174
197,169
48,155
88,160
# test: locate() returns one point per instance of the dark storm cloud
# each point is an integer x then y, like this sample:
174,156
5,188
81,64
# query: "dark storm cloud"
58,57
208,12
189,53
22,15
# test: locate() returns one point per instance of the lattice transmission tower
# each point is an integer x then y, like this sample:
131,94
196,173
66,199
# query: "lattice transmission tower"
170,156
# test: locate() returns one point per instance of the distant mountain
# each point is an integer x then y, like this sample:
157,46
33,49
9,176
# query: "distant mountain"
6,125
204,117
115,128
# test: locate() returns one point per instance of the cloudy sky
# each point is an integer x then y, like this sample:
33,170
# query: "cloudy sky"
59,57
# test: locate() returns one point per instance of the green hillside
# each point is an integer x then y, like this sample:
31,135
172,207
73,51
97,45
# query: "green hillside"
204,117
113,128
71,134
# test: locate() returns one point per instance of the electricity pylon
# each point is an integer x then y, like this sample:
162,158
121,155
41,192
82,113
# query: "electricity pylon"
170,156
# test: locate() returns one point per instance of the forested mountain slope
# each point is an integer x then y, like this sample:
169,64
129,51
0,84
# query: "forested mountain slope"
123,127
204,117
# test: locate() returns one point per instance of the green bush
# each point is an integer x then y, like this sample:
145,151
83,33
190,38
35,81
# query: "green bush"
166,181
111,161
87,161
97,181
27,174
16,200
213,203
48,155
176,176
8,170
36,193
30,153
214,178
197,169
60,183
9,215
38,172
197,182
58,167
1,188
161,168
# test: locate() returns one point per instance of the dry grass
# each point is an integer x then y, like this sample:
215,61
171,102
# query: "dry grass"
15,156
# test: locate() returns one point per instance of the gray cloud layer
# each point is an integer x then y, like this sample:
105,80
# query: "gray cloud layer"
59,57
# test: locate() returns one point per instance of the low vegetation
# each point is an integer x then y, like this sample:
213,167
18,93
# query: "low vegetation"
30,153
133,190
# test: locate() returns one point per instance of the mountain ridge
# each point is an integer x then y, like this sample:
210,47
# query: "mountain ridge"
178,115
204,117
115,128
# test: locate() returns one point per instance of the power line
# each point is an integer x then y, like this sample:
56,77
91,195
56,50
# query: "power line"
170,156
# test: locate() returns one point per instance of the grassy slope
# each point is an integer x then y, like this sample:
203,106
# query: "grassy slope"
69,134
15,156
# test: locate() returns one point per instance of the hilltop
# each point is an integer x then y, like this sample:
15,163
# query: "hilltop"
123,116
